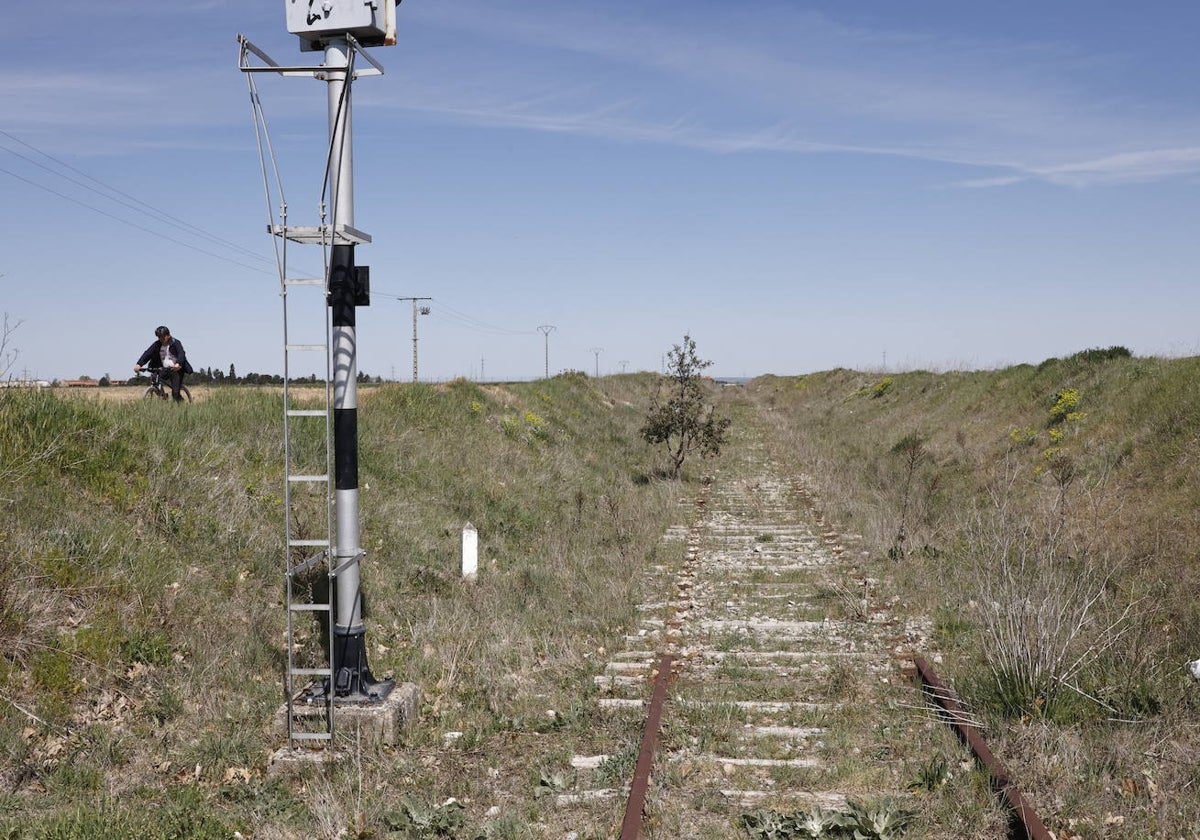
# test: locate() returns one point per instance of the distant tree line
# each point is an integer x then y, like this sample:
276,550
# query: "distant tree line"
216,376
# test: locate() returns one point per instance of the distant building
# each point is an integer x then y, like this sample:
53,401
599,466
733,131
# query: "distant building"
81,383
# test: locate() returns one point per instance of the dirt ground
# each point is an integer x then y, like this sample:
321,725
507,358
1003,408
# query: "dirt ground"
124,393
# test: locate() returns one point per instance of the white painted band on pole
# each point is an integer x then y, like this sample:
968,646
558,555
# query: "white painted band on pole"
470,552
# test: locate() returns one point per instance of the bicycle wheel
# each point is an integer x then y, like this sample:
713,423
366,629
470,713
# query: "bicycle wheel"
153,392
184,392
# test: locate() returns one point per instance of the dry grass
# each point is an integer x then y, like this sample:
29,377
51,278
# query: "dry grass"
148,543
142,628
1051,545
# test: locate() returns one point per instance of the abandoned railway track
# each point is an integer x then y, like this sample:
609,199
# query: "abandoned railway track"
768,679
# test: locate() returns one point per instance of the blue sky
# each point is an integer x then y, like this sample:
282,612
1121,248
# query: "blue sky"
797,185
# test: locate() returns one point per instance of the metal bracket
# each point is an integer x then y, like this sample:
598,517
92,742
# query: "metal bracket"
318,72
307,564
347,563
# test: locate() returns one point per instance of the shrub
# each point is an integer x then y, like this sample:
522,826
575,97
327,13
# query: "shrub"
1066,402
1045,618
877,390
1101,354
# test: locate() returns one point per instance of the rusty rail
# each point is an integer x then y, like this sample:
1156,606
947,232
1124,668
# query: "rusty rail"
1024,822
631,826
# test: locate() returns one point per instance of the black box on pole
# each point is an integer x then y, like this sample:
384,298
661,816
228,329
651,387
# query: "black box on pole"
362,285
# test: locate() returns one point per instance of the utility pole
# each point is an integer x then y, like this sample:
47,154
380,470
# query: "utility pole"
482,378
545,330
422,310
597,351
623,363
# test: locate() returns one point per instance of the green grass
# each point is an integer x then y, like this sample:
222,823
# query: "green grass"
1074,482
142,587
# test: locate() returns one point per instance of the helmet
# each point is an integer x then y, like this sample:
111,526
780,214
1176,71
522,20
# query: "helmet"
161,331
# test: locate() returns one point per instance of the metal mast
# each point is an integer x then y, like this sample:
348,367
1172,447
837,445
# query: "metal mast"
351,674
545,330
339,28
417,310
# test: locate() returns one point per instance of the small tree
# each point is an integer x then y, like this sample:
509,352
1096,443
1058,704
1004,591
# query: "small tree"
912,452
679,416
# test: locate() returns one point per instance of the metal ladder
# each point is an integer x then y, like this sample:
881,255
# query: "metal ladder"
309,540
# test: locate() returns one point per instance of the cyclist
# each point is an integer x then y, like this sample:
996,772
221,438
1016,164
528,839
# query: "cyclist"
167,356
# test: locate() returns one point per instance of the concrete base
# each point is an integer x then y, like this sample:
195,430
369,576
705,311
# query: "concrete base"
376,723
286,761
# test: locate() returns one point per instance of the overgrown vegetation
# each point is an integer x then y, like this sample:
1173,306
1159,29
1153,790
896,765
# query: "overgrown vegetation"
1044,514
1048,516
680,416
880,820
141,613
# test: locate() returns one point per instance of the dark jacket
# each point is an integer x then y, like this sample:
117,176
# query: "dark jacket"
153,357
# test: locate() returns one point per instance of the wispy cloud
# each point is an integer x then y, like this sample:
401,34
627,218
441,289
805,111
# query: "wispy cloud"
719,79
1129,167
801,82
112,111
621,122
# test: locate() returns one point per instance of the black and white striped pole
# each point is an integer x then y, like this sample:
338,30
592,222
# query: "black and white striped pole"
352,676
339,27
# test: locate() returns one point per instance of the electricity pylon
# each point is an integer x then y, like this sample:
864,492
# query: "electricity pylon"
545,330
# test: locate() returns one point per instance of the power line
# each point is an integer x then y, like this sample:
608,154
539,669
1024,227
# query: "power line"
132,203
142,228
482,324
446,312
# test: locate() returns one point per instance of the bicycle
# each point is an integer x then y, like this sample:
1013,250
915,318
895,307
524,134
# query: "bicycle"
157,388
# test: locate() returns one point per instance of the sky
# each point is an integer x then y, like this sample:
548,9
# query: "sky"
796,185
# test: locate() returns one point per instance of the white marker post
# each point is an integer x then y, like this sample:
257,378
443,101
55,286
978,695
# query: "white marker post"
470,552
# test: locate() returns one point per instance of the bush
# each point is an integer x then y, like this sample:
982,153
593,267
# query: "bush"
1101,354
1066,402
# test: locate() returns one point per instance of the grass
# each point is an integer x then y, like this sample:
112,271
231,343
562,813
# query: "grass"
1043,529
141,601
140,592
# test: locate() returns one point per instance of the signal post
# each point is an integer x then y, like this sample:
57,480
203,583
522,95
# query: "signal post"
339,29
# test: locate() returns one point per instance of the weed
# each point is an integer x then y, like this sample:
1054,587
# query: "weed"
950,627
1066,403
883,386
878,820
181,816
618,768
912,452
151,647
424,822
1045,617
931,775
